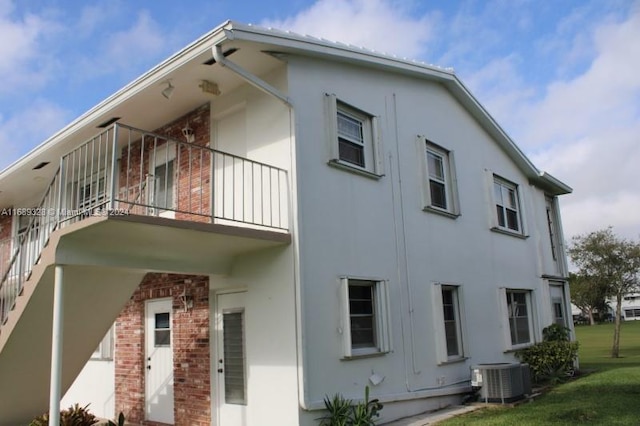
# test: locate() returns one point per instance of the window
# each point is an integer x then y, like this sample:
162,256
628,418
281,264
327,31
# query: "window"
353,138
451,317
507,205
162,329
558,300
632,313
235,386
551,225
104,351
91,194
365,329
440,192
519,316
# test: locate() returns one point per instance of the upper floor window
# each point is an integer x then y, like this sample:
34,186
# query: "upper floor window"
507,202
366,329
440,192
353,138
551,224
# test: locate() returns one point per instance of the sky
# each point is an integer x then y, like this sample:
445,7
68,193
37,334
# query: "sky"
562,77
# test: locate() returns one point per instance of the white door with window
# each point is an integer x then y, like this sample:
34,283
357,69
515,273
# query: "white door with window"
231,359
162,182
159,361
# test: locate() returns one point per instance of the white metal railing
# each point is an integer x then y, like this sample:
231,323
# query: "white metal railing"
124,170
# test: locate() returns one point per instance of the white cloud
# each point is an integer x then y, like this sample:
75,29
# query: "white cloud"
36,123
143,39
127,50
586,131
383,25
23,64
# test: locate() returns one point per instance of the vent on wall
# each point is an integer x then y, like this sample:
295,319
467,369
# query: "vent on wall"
501,382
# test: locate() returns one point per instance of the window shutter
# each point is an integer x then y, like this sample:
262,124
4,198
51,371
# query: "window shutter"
376,139
345,327
331,114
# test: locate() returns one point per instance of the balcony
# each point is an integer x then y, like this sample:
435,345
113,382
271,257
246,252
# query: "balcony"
144,200
124,203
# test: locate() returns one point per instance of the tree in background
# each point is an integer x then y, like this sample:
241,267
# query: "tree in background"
609,262
588,295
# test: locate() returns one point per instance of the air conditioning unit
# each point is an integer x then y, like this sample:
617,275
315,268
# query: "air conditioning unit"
501,382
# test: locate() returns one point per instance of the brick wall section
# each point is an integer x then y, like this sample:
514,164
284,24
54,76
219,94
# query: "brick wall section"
192,376
5,242
192,178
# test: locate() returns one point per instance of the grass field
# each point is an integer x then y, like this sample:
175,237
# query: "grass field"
608,396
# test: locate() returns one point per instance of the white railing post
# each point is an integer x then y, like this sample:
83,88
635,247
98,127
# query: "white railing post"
114,162
55,389
61,193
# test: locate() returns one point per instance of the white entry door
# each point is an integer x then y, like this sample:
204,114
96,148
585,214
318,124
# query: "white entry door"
159,361
231,359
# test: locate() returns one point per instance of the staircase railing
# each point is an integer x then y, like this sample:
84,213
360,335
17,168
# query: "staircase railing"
18,255
124,170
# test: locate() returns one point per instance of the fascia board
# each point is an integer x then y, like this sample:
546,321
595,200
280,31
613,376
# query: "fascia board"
554,185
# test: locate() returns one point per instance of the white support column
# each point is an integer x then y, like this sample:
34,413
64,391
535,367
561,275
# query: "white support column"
56,347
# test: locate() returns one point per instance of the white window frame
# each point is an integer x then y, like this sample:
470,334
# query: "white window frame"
506,185
426,147
506,314
558,296
105,349
371,144
439,322
381,321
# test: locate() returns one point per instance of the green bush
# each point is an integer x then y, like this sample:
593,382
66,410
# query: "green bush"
342,412
72,416
551,360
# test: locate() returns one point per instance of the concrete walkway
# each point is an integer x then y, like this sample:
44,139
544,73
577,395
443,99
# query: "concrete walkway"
434,416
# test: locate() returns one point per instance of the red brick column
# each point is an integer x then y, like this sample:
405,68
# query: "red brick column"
192,376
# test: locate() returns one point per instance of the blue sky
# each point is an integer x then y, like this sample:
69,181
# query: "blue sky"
560,76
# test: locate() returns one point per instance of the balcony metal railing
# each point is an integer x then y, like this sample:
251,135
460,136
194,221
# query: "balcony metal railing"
124,170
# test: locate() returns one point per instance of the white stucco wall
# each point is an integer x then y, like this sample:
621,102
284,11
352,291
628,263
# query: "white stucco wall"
94,385
352,225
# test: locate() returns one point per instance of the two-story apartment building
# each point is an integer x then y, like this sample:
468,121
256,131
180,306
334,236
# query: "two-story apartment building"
265,219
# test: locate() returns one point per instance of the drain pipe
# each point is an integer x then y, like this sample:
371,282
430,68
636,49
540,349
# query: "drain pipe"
265,87
248,77
56,347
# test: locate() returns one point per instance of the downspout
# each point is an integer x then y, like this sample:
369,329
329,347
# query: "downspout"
265,87
248,77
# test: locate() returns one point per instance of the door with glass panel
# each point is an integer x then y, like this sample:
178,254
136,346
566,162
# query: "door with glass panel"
230,361
159,361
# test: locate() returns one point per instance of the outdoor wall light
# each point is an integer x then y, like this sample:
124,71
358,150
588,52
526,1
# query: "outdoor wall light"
187,301
168,91
189,133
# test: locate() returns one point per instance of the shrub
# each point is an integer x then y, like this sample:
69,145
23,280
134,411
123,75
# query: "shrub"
342,412
552,359
72,416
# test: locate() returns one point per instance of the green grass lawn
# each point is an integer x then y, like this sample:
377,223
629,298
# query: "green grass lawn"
608,396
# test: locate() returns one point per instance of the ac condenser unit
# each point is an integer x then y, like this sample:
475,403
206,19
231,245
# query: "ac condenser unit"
501,382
